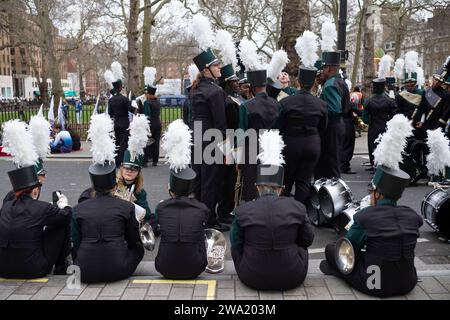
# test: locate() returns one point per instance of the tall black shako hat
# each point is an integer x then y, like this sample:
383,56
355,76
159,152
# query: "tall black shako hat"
389,179
411,65
306,47
226,46
277,64
176,143
149,80
139,135
330,57
256,72
17,139
103,170
378,85
203,34
114,77
270,171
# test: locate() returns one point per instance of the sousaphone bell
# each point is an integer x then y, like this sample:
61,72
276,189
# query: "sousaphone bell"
216,246
344,256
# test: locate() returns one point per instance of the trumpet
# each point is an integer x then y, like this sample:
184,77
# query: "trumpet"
359,122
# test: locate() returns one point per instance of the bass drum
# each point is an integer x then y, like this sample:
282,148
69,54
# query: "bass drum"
436,211
334,197
315,215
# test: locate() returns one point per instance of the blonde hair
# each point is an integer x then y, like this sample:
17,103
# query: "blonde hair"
138,182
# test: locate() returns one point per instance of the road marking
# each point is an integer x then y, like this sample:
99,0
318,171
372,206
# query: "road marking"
422,240
210,293
38,280
317,250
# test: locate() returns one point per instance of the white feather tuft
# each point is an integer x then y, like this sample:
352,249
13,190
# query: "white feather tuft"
139,133
249,55
109,78
202,31
439,156
349,84
411,60
399,68
149,76
420,77
193,72
277,64
19,142
41,111
116,69
306,47
225,44
271,144
329,36
177,142
392,143
384,69
40,130
101,134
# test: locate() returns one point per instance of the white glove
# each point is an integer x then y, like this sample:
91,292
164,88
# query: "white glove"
62,201
139,213
365,202
134,104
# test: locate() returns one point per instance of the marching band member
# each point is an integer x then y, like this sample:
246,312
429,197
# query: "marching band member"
275,72
105,229
182,218
388,232
34,235
270,236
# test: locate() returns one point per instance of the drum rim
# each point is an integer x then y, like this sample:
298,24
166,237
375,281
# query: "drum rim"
332,203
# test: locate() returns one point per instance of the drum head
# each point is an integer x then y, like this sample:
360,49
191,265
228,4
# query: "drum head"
326,203
313,214
443,219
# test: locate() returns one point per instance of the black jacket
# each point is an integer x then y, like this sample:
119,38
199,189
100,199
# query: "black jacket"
182,251
22,223
118,107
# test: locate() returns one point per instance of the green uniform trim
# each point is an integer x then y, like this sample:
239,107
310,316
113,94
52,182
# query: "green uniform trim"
243,117
330,94
147,109
237,236
290,90
141,200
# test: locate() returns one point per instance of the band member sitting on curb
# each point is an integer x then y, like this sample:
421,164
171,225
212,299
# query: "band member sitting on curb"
181,218
389,232
270,236
34,235
105,229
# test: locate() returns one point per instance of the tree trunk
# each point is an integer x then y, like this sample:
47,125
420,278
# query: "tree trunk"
133,37
146,38
399,36
80,79
295,19
356,61
369,55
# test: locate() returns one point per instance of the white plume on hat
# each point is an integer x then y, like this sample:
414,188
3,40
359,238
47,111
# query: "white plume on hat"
439,156
392,143
193,72
101,134
176,143
277,64
306,47
116,69
202,31
149,76
139,134
329,36
225,44
272,145
420,77
248,52
17,139
109,78
384,68
399,68
411,60
40,130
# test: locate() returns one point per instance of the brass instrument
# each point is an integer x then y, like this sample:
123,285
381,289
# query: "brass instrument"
238,189
216,245
360,123
122,192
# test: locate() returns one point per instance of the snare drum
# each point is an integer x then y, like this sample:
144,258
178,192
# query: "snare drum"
334,196
436,211
344,221
313,205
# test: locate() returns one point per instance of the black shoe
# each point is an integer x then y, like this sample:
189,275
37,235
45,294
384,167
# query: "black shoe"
61,269
226,220
349,171
327,269
155,164
219,227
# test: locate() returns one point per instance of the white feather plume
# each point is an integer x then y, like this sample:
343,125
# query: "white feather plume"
271,144
249,55
225,44
117,71
399,68
193,72
306,47
176,143
439,156
101,134
277,64
349,84
41,110
384,69
392,143
139,134
40,130
420,77
329,36
149,76
109,78
19,142
202,31
411,60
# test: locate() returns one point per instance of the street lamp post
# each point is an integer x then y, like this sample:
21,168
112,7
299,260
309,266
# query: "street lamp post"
342,32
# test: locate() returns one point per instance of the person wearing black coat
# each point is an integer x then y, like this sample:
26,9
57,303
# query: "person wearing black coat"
303,118
378,110
152,109
34,235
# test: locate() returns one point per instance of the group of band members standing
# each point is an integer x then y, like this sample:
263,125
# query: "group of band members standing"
270,232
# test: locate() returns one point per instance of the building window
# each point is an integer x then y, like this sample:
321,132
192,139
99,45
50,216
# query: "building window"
13,51
22,51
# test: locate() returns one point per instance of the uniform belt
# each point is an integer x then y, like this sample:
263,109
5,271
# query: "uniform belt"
302,131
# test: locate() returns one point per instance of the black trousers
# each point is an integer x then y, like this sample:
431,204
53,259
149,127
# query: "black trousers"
329,164
207,187
249,191
121,144
348,143
301,155
57,244
226,203
154,147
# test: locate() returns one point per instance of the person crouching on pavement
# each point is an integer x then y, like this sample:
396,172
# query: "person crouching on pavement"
62,142
270,236
182,218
